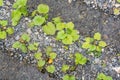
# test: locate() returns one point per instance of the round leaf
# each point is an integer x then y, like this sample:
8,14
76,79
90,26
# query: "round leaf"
38,20
50,68
43,8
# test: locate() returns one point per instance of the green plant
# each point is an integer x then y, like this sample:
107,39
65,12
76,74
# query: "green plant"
40,61
116,11
43,8
40,15
50,68
20,9
47,63
65,68
68,77
23,44
49,29
102,76
65,31
94,44
33,47
4,30
1,2
80,59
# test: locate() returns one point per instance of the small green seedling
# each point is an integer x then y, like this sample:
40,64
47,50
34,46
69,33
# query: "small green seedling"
40,15
50,68
116,11
38,55
4,30
65,31
1,2
68,77
43,8
40,61
94,44
23,44
80,59
65,68
20,9
33,47
102,76
49,29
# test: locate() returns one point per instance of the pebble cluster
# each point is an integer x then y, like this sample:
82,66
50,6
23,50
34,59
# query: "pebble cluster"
87,72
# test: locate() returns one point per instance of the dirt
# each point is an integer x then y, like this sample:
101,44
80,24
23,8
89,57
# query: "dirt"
87,21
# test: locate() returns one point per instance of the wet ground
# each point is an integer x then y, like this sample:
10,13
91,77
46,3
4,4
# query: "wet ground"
88,21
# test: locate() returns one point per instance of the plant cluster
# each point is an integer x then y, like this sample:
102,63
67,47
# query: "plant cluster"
102,76
80,59
41,62
94,44
39,15
20,9
4,30
68,77
23,44
65,31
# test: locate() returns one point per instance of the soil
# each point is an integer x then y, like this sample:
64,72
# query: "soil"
86,20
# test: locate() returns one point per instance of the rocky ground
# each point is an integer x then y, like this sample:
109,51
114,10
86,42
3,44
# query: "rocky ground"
89,17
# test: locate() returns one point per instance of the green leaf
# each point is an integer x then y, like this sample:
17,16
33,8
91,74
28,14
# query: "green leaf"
3,35
88,39
43,8
70,25
72,77
49,29
75,35
102,76
92,48
25,37
19,3
97,36
98,48
66,77
23,10
53,55
102,44
23,48
3,22
86,45
80,59
41,63
16,44
38,55
67,40
38,20
10,30
56,20
65,68
116,11
118,1
60,26
61,35
50,69
48,50
1,2
32,47
16,15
